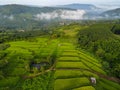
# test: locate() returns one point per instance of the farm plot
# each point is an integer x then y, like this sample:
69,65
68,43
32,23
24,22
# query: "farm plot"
71,65
116,86
68,84
90,60
69,59
66,46
66,69
67,53
62,74
85,88
92,66
106,86
89,74
88,57
37,50
71,51
40,44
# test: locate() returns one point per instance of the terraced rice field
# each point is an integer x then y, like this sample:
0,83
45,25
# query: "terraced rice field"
74,70
69,74
85,88
40,47
72,65
67,58
70,83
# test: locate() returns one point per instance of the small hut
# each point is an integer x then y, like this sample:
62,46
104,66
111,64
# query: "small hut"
39,65
93,80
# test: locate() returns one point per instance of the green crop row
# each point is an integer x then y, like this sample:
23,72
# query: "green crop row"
69,59
74,65
85,88
68,84
61,74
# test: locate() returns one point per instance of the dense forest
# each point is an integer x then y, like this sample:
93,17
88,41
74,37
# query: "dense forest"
104,41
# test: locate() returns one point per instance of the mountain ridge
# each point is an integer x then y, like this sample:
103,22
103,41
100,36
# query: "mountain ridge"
113,12
17,9
79,6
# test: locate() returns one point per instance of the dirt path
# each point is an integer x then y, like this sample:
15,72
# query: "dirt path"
52,69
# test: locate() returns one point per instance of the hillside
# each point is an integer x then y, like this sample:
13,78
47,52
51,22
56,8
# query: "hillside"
19,9
115,13
59,45
74,68
21,16
53,62
24,17
80,6
100,40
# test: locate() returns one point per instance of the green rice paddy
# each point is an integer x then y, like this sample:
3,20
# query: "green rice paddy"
72,68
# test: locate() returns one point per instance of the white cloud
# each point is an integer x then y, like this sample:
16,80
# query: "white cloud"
63,14
11,17
72,14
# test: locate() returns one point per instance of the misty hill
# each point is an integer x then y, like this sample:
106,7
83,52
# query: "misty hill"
18,9
17,16
115,13
92,11
20,12
80,6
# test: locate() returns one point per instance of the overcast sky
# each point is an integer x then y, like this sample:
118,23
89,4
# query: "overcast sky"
57,2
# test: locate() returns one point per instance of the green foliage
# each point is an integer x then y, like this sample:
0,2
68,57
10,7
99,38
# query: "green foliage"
20,34
116,29
99,40
15,61
20,9
110,83
73,69
4,46
8,82
43,82
94,33
105,86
